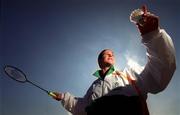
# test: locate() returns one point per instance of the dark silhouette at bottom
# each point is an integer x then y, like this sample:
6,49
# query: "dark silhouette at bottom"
116,105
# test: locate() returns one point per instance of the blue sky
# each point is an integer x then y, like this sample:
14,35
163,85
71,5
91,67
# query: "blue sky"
56,44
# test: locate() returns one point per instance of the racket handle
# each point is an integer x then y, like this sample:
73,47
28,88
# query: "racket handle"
51,94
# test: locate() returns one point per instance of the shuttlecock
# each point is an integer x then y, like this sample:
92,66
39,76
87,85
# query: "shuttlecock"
136,16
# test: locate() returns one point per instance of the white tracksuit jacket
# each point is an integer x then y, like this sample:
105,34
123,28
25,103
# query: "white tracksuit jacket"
154,78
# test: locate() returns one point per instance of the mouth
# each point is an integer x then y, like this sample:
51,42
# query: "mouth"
110,59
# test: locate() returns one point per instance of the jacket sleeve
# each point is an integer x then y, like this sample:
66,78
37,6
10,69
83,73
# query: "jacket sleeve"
161,63
76,105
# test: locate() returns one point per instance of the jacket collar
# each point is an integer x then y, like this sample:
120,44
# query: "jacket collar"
97,73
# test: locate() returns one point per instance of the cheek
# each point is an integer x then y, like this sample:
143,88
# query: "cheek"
109,60
113,60
106,59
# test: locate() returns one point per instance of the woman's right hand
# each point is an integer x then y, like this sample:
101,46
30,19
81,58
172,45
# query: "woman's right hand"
59,96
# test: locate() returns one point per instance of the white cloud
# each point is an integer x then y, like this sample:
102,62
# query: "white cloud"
134,65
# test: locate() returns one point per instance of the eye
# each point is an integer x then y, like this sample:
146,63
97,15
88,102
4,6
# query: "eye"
111,55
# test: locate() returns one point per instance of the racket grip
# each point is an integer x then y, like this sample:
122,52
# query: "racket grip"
51,94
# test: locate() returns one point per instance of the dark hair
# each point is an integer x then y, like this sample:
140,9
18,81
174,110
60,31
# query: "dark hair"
100,56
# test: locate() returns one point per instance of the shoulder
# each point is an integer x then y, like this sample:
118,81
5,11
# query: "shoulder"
127,74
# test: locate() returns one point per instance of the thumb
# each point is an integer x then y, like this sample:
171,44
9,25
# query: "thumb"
144,9
140,27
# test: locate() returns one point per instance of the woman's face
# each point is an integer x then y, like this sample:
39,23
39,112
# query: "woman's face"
108,58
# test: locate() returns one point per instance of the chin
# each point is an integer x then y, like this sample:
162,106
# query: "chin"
110,64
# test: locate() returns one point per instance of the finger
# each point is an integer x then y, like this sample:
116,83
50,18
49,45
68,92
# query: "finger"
57,95
152,18
144,8
140,26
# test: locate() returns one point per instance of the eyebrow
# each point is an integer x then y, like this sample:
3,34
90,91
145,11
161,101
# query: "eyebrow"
108,53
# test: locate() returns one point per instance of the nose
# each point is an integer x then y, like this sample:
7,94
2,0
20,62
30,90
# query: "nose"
110,55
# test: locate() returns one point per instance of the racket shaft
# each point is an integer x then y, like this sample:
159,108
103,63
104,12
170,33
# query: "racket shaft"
38,86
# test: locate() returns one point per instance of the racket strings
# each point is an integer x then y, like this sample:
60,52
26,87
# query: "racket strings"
15,74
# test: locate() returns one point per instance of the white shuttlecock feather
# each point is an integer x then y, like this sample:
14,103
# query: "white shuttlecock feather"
136,15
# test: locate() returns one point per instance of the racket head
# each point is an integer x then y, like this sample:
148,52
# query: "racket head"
15,73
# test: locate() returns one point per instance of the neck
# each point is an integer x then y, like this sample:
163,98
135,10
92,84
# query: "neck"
104,70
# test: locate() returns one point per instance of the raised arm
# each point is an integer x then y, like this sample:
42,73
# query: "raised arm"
161,62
